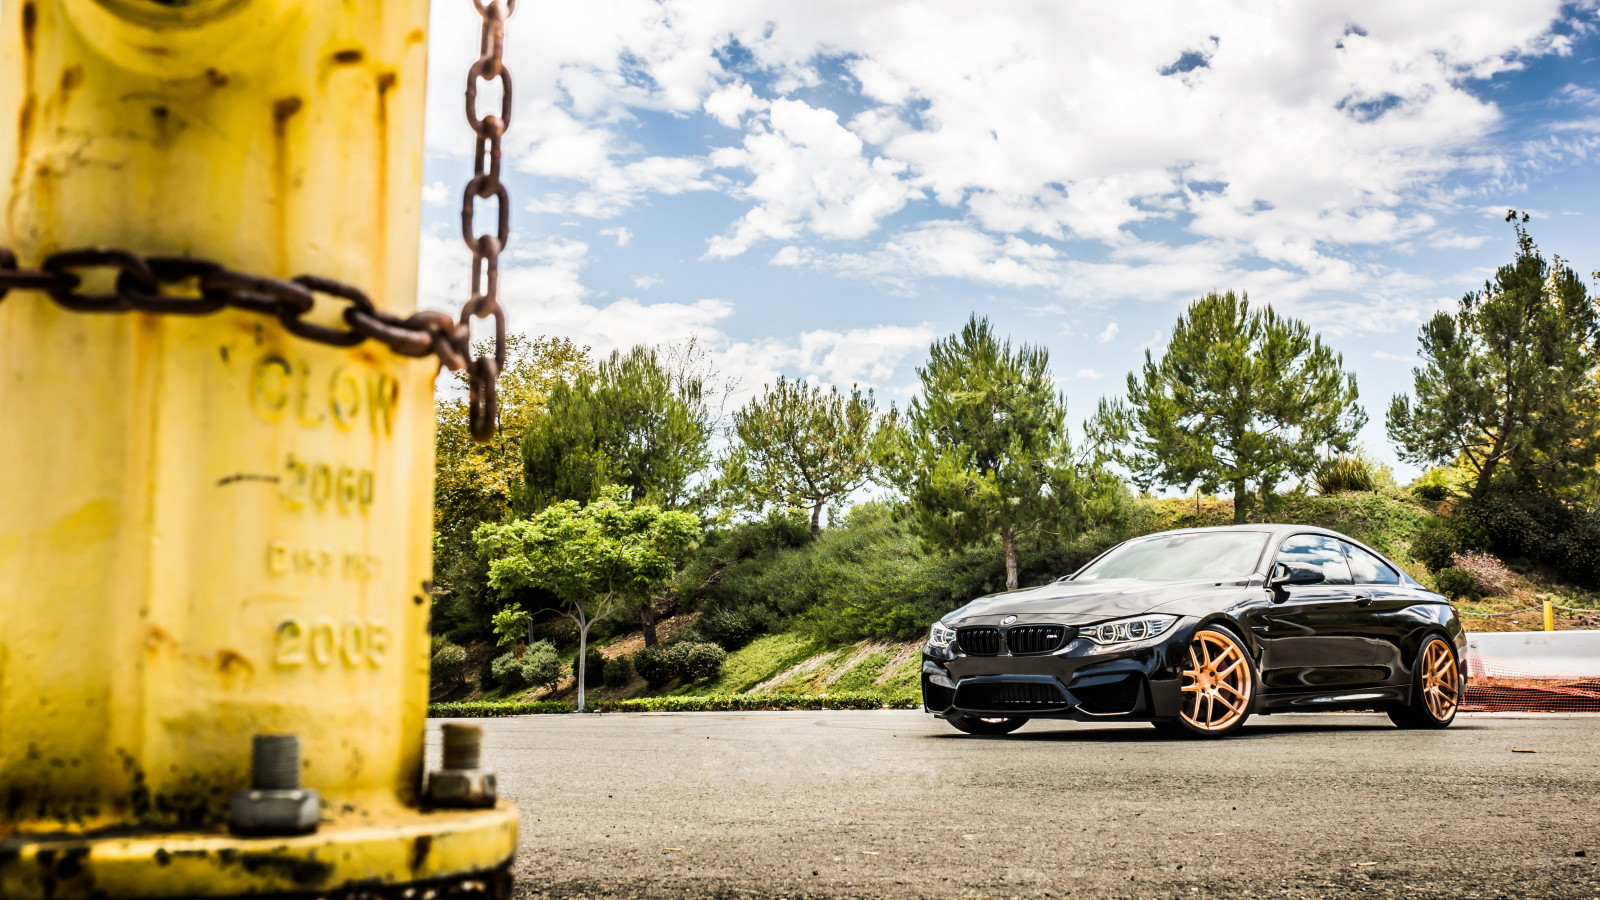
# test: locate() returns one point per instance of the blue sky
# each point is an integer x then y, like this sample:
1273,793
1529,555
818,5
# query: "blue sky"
818,189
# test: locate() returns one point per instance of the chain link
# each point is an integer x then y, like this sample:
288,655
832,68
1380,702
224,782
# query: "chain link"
174,285
484,301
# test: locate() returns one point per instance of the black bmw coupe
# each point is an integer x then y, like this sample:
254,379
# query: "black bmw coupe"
1196,630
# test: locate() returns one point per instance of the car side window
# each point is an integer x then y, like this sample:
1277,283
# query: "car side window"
1369,569
1318,550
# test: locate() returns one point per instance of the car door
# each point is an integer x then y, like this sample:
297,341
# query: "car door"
1388,622
1318,637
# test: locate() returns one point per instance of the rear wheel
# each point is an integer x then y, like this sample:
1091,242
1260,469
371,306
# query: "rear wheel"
1219,687
1435,688
978,725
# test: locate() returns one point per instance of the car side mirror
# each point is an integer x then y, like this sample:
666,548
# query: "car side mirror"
1285,575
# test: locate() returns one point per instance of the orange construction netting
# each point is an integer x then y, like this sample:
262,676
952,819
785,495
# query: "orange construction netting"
1496,685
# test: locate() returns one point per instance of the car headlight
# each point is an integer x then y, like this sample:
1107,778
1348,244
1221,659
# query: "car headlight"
942,635
1126,631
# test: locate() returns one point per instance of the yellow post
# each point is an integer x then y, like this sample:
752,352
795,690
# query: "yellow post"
212,529
1549,615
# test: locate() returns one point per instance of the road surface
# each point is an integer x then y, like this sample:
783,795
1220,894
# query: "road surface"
898,804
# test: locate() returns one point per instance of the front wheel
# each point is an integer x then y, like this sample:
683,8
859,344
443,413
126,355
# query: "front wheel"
1435,688
1219,687
976,725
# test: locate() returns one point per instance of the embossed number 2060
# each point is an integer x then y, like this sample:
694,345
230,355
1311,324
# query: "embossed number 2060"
324,641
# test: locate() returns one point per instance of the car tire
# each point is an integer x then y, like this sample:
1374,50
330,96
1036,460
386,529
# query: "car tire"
983,725
1218,684
1435,687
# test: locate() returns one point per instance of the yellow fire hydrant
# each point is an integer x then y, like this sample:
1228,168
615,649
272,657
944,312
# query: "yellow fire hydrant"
214,532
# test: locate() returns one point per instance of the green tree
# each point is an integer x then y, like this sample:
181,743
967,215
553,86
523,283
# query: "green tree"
1509,387
985,450
596,558
632,422
1240,397
474,483
801,446
629,423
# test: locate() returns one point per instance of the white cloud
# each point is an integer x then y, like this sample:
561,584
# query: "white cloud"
436,194
646,282
810,174
620,234
1110,332
1088,375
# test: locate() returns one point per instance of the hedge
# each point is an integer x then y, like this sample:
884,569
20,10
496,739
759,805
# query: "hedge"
483,709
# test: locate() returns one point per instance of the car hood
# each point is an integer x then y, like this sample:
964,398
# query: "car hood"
1087,602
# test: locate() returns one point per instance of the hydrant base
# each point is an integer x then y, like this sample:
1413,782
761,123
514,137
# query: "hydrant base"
457,853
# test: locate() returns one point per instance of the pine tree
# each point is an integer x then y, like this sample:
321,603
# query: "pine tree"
985,451
1239,398
799,445
1510,384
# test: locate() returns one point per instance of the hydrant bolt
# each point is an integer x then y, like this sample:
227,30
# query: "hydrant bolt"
462,782
275,762
463,745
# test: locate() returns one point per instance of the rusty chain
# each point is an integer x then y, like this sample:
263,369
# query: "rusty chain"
484,301
200,287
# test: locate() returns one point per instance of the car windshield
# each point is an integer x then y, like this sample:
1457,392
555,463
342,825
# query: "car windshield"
1210,556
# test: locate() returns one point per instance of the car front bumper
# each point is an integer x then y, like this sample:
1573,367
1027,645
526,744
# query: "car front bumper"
1082,680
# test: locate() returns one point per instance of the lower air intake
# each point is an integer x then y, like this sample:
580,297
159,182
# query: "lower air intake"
1011,696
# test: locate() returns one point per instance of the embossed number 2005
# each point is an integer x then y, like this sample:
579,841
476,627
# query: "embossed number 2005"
324,642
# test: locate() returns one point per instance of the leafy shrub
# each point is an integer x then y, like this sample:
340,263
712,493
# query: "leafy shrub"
1457,584
654,667
698,661
1441,540
713,703
1491,575
619,672
731,627
541,665
1520,524
449,664
507,671
1434,484
1345,474
1577,552
594,668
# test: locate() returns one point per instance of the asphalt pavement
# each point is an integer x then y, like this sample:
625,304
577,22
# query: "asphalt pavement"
898,804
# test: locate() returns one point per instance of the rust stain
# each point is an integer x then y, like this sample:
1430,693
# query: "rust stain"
416,36
216,78
420,847
231,663
348,57
282,111
30,27
71,77
158,637
380,256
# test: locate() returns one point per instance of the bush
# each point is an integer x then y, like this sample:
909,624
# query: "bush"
714,703
1441,540
594,668
653,666
449,664
699,662
1457,584
1577,553
507,671
1434,484
1520,524
732,628
1345,474
541,665
619,672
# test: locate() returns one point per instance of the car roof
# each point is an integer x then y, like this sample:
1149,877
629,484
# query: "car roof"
1281,529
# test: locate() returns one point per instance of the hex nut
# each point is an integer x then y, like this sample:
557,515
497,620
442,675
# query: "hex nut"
295,811
461,788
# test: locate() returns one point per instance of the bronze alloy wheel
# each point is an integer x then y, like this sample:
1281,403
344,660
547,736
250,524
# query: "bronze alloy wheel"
1435,688
1218,683
1441,684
